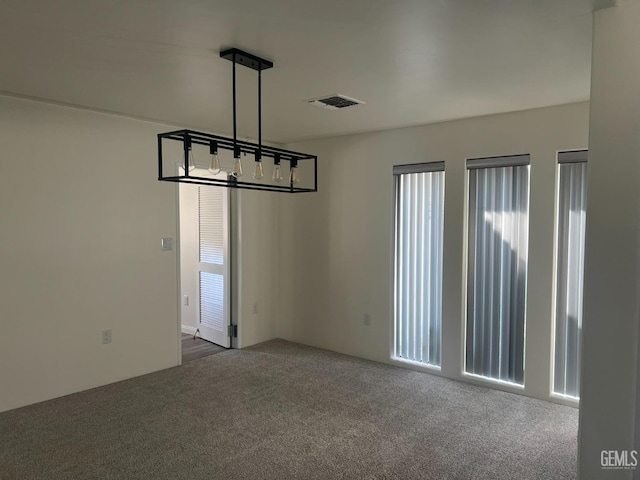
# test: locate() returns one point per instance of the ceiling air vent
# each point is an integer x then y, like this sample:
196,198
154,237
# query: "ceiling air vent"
334,102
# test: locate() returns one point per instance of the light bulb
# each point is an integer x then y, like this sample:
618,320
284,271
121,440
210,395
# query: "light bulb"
258,173
294,177
237,167
277,173
214,164
191,162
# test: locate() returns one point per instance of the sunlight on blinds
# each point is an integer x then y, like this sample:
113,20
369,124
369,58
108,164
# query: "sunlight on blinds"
572,204
418,265
498,232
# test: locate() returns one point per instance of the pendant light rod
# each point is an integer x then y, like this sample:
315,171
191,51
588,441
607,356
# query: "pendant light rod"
186,147
259,113
235,125
246,59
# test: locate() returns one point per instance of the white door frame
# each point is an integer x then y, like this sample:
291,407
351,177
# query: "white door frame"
188,253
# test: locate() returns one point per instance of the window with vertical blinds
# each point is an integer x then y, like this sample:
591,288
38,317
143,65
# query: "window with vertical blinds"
419,230
498,241
571,218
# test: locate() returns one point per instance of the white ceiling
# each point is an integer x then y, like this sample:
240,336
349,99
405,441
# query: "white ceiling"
411,61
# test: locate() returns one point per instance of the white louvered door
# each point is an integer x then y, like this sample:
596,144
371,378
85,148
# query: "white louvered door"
213,264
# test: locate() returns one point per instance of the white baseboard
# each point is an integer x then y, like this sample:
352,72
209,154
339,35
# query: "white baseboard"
188,330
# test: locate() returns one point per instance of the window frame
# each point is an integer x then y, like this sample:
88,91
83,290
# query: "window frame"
398,170
562,157
485,163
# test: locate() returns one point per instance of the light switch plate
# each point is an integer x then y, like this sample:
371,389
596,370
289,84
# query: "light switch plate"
106,336
167,244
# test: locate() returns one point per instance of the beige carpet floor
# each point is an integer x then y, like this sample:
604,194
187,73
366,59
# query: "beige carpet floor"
281,410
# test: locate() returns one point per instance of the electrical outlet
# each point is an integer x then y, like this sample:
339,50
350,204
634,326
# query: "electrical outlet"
106,336
186,301
367,319
255,308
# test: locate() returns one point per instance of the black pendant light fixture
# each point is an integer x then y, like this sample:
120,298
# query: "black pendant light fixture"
231,173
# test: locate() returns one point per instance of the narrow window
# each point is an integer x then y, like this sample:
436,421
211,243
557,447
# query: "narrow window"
418,262
498,240
571,215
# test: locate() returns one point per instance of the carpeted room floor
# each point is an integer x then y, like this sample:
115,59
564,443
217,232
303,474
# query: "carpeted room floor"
281,410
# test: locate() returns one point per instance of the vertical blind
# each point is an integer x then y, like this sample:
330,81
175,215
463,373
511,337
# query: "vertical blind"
418,262
572,203
498,240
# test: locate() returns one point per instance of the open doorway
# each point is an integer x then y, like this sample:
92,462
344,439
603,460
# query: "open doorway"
204,270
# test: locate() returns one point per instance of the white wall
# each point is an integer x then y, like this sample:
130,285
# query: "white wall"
189,248
336,245
256,261
81,219
612,294
253,245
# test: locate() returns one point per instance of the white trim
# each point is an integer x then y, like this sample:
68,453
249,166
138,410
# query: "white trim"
564,400
423,367
571,156
391,327
493,382
554,282
188,329
465,276
178,250
235,265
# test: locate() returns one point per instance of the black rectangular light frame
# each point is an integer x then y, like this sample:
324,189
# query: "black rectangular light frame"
200,138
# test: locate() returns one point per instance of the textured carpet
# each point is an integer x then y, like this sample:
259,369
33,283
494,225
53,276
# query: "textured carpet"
281,410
